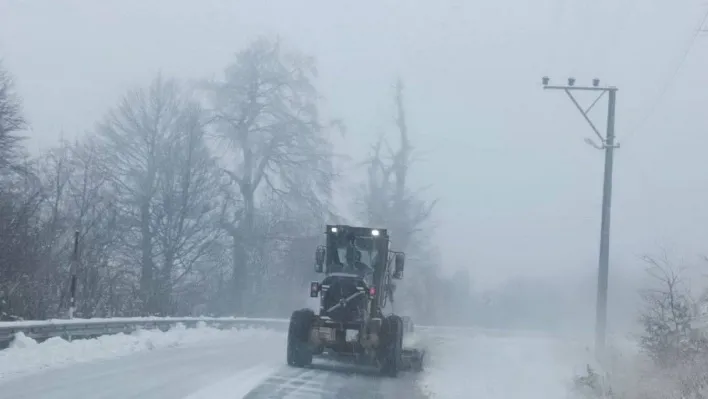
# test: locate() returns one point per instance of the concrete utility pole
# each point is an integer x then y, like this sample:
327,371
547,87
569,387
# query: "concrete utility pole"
608,144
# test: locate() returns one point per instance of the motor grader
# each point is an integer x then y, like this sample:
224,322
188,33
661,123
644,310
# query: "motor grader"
359,268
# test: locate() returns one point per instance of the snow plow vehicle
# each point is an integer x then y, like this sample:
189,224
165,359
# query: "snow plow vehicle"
359,270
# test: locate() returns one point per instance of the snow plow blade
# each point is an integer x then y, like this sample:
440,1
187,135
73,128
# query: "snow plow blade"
412,359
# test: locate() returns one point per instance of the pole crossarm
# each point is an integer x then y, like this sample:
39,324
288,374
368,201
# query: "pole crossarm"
585,88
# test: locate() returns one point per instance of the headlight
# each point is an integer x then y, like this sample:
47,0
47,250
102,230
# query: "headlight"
375,233
333,230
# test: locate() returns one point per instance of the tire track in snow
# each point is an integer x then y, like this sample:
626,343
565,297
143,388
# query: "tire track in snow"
327,381
287,381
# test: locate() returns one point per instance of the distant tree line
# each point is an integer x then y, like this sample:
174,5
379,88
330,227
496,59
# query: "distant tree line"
202,199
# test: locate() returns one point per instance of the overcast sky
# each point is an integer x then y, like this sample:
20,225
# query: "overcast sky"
520,191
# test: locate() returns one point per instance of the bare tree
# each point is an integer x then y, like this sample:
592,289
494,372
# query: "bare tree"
54,171
12,123
161,170
104,285
266,110
388,200
21,200
132,135
20,246
187,205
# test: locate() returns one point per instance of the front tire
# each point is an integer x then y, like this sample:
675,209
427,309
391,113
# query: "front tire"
298,351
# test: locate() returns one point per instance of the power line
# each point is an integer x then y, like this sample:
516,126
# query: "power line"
560,10
622,24
670,81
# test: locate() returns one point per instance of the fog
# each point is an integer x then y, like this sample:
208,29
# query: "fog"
519,191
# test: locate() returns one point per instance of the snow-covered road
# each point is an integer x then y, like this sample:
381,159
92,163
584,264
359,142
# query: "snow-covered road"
251,365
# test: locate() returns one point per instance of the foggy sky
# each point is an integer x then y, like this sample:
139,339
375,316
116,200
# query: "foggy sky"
520,191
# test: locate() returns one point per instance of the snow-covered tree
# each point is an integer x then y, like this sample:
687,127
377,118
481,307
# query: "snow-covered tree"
12,125
21,199
668,337
387,200
265,113
166,182
79,197
186,205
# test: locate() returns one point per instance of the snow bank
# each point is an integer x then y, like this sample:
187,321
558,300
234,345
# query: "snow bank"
50,322
26,355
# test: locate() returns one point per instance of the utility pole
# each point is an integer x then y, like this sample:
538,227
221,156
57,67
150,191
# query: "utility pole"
608,144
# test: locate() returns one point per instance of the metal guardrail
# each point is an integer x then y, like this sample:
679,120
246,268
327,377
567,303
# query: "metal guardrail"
90,328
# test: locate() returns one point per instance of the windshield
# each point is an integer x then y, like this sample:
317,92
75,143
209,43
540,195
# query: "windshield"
359,258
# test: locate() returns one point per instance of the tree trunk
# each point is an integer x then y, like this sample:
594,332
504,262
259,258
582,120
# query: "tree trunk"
239,276
147,294
165,285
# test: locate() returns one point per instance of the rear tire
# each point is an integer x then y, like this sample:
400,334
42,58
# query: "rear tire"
418,365
298,352
392,346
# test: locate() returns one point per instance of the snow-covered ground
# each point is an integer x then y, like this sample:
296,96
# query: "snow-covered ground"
502,367
27,356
